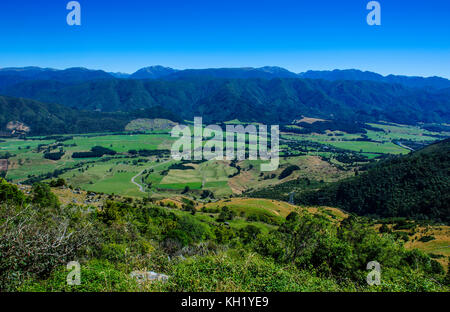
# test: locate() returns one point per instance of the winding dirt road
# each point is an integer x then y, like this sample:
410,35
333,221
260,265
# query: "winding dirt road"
141,188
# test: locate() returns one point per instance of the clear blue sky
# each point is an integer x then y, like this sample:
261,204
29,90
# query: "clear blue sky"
414,38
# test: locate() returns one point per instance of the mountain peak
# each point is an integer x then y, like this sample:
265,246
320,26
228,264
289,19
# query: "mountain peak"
152,72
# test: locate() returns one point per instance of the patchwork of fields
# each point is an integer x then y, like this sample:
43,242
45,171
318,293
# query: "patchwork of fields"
315,155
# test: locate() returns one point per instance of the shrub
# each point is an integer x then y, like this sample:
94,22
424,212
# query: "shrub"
114,252
57,183
288,171
43,197
54,156
33,242
9,193
96,275
426,238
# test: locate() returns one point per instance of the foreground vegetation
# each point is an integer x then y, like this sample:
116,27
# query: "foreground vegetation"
199,250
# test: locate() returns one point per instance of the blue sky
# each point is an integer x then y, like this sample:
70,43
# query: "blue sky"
413,39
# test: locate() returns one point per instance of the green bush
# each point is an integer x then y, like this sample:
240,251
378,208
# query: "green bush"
43,197
96,275
114,252
243,271
9,193
426,238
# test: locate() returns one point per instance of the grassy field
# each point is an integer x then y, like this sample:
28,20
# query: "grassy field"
370,147
109,177
384,139
211,175
439,246
272,209
123,143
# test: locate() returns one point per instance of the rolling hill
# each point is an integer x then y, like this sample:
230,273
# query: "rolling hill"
416,185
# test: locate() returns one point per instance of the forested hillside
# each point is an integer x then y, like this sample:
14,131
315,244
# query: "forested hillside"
43,118
269,101
416,185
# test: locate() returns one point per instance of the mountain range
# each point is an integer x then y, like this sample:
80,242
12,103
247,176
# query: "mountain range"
270,95
353,74
11,76
276,101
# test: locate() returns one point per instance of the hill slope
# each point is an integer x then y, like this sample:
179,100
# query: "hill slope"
44,118
416,185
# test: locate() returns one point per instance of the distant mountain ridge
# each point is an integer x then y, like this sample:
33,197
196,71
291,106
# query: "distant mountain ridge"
272,95
353,74
13,75
266,72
